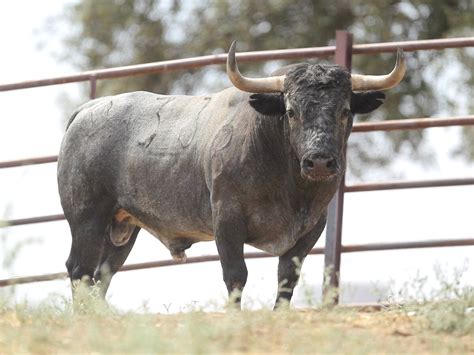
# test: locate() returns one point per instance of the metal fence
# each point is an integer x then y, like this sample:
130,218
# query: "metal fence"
343,52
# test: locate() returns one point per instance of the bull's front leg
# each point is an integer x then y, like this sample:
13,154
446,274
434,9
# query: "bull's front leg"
290,263
230,232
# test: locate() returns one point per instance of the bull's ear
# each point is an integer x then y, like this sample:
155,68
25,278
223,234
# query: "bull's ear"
365,102
268,104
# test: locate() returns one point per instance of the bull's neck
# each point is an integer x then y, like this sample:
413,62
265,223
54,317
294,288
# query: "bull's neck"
271,148
268,144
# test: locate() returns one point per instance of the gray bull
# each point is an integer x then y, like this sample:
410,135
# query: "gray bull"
257,164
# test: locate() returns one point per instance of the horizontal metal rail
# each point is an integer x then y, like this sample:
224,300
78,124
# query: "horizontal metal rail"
411,46
196,62
172,65
254,255
390,125
409,245
30,279
377,186
413,124
28,161
395,185
189,63
31,220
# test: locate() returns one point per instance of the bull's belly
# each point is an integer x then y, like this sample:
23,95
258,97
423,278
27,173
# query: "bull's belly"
276,242
275,237
175,239
167,235
277,229
178,240
164,233
275,247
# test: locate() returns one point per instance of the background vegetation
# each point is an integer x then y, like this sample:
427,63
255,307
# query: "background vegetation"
120,32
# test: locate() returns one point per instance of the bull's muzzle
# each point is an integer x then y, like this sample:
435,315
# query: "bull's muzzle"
315,167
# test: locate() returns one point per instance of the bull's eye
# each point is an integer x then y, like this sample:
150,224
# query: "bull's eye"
290,113
346,113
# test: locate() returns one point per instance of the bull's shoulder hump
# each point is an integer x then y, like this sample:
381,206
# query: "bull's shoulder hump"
233,97
85,106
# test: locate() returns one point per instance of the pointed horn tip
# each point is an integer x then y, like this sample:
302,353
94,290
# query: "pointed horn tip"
400,63
231,52
400,53
231,61
400,57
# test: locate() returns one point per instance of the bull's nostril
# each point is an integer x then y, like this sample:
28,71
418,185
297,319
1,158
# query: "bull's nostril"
308,164
318,166
331,164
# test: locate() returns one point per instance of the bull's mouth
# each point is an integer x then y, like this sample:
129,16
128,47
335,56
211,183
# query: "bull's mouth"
318,177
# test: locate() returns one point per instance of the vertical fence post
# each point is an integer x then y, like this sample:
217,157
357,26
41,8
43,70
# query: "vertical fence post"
93,86
332,252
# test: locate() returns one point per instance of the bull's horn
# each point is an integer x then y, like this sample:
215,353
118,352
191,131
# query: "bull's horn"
261,85
381,82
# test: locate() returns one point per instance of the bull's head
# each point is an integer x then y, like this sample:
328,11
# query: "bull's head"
319,103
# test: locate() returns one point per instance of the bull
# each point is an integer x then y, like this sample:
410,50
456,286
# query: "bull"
254,164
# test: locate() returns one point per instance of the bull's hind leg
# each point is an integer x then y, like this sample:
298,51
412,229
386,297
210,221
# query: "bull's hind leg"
112,259
86,249
290,263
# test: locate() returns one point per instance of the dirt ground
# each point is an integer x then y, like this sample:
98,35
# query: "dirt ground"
343,331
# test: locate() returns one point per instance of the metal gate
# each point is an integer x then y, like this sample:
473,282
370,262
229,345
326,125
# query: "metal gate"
342,52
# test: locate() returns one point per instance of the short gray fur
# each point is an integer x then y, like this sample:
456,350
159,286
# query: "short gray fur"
233,167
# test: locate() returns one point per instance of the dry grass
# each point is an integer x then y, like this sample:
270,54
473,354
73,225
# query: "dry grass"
441,321
51,329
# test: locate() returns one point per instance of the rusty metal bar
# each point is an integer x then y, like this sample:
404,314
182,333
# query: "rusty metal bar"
394,185
207,258
390,125
193,260
30,279
196,62
29,161
409,245
32,220
376,186
172,65
332,252
410,46
93,86
137,266
415,123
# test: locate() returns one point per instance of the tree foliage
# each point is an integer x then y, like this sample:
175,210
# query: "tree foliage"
120,32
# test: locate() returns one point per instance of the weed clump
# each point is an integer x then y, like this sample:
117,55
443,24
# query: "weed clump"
448,307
